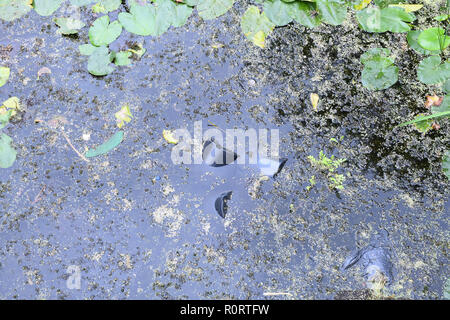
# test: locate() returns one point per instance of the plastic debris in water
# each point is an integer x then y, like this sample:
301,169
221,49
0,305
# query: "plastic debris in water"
376,262
216,156
270,167
221,205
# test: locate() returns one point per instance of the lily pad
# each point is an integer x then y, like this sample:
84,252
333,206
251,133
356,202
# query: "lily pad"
87,49
122,58
304,14
113,142
431,71
386,19
46,7
210,9
433,39
379,72
278,12
81,3
99,63
333,12
14,9
7,153
105,6
68,25
4,75
254,23
140,20
103,33
412,37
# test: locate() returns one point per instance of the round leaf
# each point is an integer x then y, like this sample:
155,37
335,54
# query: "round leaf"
7,153
433,39
103,33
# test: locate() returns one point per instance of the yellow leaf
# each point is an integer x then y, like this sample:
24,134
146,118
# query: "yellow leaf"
12,103
168,136
259,38
314,97
362,4
408,7
122,116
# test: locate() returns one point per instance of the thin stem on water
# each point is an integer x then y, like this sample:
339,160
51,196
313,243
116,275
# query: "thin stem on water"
71,145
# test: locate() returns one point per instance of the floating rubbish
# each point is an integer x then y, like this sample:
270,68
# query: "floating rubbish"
220,203
216,156
270,167
376,262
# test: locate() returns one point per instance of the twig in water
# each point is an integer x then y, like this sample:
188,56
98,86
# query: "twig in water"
71,145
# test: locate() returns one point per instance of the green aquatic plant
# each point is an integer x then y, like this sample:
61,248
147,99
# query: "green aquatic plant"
329,166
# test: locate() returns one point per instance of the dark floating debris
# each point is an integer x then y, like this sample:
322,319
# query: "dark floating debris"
376,262
215,155
270,167
221,205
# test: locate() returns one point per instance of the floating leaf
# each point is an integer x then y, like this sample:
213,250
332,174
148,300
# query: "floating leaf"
14,9
68,25
87,49
4,75
442,17
433,39
81,3
278,12
143,20
8,110
362,4
422,126
122,58
379,72
122,116
210,9
46,7
105,6
333,12
256,26
99,63
12,103
168,136
305,14
180,14
113,142
7,153
314,97
431,71
386,19
103,33
407,7
412,37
